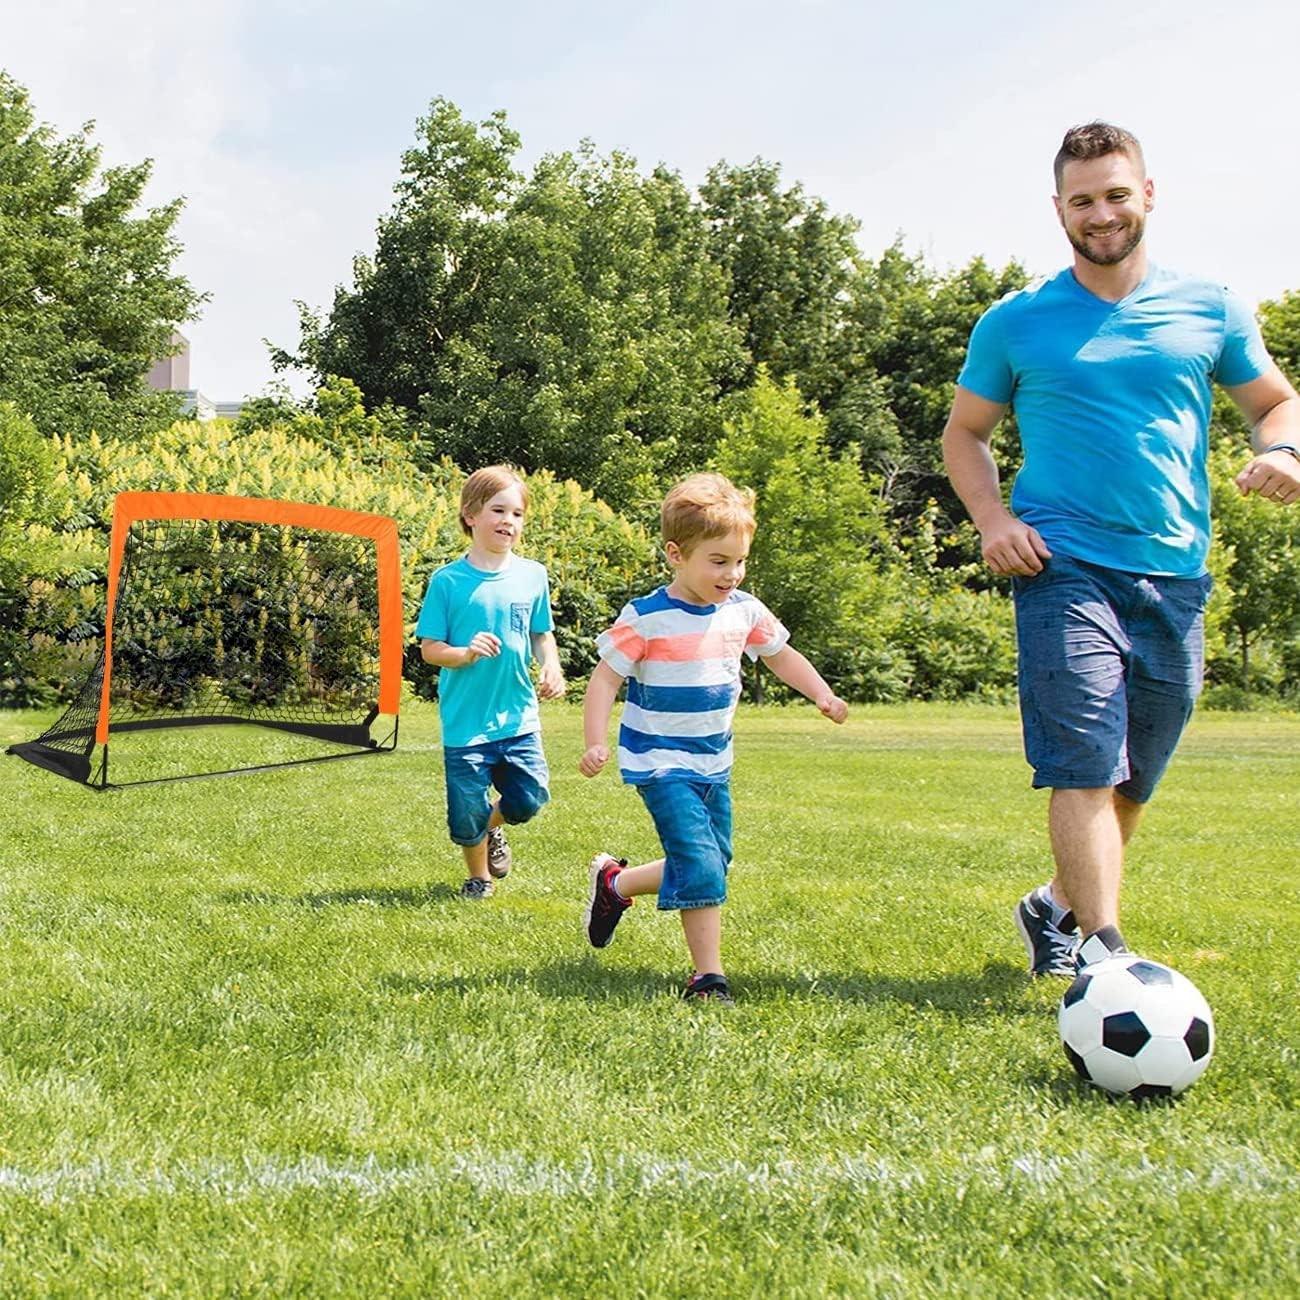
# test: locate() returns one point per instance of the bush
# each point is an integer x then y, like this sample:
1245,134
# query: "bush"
596,559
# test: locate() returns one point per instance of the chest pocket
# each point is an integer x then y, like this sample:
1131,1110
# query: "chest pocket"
519,611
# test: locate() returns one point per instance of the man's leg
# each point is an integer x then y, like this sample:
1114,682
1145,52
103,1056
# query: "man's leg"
1089,829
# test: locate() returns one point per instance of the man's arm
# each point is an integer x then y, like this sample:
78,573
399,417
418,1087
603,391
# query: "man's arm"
1272,410
1009,546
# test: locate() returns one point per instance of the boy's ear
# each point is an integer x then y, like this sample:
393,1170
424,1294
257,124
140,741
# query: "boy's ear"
674,553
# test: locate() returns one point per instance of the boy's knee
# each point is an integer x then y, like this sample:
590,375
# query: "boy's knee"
522,806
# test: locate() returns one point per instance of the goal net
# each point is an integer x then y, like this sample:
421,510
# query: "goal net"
280,618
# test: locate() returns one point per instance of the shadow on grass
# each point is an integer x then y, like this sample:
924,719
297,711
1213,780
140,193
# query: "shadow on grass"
996,990
376,896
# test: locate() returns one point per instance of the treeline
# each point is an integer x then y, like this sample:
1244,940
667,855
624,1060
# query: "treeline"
604,328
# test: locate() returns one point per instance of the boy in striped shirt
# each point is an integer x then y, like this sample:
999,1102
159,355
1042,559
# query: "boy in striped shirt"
680,649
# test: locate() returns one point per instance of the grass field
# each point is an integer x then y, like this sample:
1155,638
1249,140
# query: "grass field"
252,1044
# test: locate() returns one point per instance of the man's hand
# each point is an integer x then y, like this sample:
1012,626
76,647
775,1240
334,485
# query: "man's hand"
1012,548
593,760
550,682
1275,475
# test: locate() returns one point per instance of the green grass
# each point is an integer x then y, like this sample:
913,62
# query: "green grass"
252,1044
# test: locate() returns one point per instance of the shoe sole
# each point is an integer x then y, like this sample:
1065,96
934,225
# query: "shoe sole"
597,866
1027,940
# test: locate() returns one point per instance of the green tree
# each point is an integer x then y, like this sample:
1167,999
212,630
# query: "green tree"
821,538
571,320
88,298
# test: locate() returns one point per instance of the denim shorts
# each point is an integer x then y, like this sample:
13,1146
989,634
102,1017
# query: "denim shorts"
1110,665
693,819
517,767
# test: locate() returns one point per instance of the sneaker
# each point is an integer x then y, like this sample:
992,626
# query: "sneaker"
606,907
1051,944
475,888
498,853
1103,943
708,988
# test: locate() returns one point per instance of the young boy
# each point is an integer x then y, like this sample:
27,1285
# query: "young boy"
484,617
680,649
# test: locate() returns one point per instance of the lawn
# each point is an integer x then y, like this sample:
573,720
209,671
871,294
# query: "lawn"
253,1043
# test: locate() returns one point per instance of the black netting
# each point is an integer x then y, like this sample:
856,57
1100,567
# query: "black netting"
220,621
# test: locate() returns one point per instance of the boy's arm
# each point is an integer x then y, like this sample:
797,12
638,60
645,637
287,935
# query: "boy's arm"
550,678
483,645
795,671
597,705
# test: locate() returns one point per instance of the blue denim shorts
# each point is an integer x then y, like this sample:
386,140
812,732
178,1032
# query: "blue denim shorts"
517,767
1110,665
693,819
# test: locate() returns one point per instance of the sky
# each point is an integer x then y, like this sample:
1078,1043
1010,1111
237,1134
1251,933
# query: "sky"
282,122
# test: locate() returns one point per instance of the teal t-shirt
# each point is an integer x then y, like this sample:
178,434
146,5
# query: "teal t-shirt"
1112,400
491,699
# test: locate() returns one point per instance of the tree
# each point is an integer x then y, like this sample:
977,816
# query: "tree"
821,548
571,321
88,299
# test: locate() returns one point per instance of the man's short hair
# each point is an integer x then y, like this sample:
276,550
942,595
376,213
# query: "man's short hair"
483,484
703,506
1095,140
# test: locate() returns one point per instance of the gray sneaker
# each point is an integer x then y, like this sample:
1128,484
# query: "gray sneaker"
1052,945
498,853
476,889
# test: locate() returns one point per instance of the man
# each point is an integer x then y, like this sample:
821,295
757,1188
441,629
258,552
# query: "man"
1108,366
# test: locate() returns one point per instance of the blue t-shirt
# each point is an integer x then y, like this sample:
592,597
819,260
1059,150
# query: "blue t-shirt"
492,698
1113,404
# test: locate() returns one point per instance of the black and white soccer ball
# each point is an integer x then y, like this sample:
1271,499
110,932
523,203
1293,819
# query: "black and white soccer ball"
1136,1028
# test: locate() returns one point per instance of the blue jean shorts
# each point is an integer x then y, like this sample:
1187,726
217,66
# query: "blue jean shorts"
693,819
517,767
1110,665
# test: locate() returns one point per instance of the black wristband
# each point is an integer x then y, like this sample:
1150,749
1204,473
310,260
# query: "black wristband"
1283,446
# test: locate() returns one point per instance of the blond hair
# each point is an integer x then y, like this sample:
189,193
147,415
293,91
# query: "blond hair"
704,506
483,484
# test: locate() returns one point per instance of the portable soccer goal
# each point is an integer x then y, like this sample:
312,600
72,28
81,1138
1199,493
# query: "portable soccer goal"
280,618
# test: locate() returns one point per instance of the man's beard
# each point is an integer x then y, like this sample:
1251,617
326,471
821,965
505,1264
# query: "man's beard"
1112,258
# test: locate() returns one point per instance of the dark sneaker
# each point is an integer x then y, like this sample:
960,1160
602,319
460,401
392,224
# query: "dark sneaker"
1051,944
498,853
1103,943
475,888
605,908
708,988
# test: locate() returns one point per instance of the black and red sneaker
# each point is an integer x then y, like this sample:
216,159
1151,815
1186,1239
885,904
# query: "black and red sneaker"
605,908
708,988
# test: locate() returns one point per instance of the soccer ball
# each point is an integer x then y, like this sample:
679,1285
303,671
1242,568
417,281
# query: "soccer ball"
1136,1028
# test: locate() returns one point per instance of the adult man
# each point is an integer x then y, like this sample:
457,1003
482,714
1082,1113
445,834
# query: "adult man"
1108,366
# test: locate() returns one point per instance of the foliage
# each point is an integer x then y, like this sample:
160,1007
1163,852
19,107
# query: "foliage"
571,321
88,298
1257,566
596,558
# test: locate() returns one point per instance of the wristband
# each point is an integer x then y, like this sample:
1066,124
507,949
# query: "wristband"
1283,446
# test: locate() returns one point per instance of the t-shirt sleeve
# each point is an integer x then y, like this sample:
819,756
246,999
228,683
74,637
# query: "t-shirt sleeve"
767,634
622,646
542,620
987,372
434,623
1243,356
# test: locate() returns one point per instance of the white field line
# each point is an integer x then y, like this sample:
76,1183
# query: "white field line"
514,1175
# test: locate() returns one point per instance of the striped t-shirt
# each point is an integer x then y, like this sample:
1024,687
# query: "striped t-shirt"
682,664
